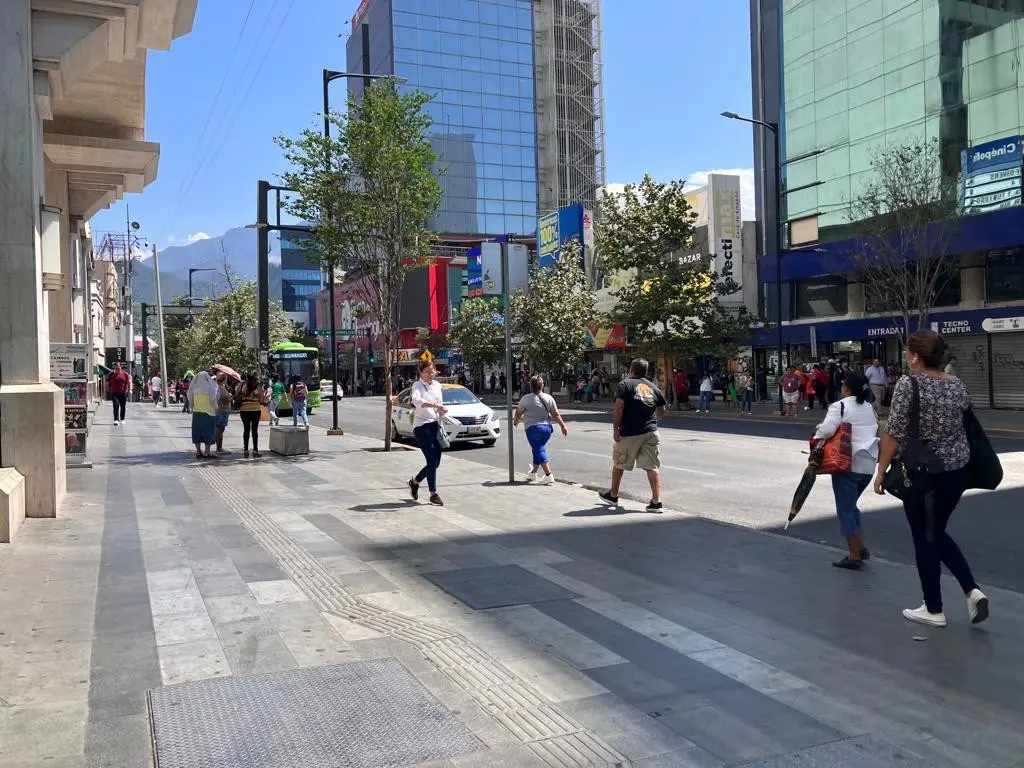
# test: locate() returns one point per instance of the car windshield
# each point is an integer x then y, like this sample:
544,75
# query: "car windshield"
458,396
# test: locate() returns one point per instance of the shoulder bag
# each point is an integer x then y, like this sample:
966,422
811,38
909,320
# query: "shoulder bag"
984,470
835,453
908,472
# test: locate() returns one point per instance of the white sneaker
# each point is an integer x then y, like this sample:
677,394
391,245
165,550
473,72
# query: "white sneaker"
923,616
531,476
547,480
116,422
977,606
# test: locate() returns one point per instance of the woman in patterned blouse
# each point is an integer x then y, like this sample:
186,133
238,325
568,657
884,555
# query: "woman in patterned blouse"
944,399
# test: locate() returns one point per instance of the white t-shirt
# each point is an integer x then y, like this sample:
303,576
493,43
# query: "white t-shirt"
426,393
156,384
706,384
875,374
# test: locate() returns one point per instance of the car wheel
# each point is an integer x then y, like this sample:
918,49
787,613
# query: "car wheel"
396,436
490,443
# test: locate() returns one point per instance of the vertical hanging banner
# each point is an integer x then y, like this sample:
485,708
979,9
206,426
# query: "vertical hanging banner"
68,371
725,232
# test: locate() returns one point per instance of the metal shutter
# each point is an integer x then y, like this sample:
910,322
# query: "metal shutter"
1008,370
971,352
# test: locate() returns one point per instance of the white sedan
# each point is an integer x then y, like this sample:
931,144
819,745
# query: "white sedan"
327,391
467,418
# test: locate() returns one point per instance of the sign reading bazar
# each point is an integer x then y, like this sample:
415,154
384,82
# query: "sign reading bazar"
725,231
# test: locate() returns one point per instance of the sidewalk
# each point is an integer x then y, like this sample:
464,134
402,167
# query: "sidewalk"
1003,423
302,613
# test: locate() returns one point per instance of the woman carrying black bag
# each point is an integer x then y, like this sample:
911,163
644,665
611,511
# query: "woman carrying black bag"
927,446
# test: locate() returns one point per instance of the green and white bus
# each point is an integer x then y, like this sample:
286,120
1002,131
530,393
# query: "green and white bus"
290,358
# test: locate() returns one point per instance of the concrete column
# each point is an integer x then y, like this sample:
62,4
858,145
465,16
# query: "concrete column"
972,281
855,303
31,408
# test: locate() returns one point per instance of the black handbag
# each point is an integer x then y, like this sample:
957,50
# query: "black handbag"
984,469
908,472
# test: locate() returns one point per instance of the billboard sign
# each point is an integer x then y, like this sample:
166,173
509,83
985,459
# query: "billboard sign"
548,241
490,262
556,229
474,274
725,232
990,175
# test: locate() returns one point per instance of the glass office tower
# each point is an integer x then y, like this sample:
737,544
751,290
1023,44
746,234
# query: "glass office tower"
299,278
476,57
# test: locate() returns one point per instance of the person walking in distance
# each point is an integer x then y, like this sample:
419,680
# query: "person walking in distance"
638,406
428,400
254,397
707,389
875,374
854,409
298,392
119,384
537,410
790,383
746,384
276,393
156,386
942,402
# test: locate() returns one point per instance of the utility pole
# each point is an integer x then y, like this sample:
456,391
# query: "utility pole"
160,322
145,341
505,252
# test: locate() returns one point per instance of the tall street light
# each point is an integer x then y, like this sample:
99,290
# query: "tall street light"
328,76
773,128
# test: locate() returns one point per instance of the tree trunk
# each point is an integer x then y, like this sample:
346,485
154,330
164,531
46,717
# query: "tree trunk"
387,396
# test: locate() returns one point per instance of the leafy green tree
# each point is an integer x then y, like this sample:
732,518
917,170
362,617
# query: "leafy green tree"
475,329
551,317
669,303
218,334
368,193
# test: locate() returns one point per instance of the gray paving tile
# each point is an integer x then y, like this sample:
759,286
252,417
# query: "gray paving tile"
691,757
254,647
118,742
624,728
354,541
174,492
793,729
721,734
632,683
498,586
365,582
848,753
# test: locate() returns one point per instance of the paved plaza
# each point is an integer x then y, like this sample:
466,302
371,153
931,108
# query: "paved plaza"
305,612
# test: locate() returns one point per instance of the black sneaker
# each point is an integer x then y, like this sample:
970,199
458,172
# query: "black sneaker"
607,496
414,489
436,500
847,564
864,554
655,506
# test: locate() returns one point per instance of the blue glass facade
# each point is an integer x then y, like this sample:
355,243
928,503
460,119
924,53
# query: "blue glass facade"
476,58
299,278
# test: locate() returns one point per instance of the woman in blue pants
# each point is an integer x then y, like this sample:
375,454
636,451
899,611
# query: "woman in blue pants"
428,399
537,410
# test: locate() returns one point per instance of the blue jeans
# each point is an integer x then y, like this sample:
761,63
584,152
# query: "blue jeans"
847,488
747,400
538,436
426,439
299,411
704,404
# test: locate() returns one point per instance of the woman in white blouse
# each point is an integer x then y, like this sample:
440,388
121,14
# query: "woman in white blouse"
847,487
427,398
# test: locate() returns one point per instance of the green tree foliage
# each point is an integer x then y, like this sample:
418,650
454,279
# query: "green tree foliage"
218,335
476,331
669,303
368,193
551,317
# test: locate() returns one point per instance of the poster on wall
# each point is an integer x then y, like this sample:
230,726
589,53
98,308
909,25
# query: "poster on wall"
725,232
68,371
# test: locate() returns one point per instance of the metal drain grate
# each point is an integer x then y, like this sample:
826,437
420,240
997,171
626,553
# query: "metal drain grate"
367,714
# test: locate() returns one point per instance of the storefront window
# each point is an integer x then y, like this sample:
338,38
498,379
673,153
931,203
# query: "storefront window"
820,297
1005,278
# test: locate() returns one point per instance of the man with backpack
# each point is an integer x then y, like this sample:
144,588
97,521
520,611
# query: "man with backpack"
298,393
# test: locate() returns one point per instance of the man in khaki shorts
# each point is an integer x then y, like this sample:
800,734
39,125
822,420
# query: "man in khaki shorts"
638,406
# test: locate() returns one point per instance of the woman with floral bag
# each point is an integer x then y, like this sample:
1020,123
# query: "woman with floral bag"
851,464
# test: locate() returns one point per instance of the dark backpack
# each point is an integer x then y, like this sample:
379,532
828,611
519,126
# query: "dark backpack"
300,392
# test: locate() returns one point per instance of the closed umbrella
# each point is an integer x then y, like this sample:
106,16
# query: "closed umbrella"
803,489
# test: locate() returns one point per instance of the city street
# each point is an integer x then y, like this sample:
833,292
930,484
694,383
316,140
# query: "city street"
744,472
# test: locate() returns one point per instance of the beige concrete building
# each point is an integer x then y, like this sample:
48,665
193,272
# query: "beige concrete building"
72,112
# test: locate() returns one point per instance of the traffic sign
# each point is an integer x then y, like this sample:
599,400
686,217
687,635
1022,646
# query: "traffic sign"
426,356
337,332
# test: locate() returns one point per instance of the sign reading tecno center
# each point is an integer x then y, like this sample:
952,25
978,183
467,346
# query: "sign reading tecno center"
725,231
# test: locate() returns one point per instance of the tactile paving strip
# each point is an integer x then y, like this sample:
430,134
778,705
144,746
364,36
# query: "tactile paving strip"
366,714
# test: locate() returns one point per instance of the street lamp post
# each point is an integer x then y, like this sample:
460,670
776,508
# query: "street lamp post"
773,128
328,76
192,271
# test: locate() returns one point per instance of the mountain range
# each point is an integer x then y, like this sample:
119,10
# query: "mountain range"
234,250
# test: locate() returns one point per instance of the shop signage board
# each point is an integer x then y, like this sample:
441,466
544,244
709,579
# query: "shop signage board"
68,371
725,232
991,175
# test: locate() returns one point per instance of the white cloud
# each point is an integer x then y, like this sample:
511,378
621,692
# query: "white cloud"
195,237
700,179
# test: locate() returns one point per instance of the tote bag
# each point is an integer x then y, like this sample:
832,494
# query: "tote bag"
836,452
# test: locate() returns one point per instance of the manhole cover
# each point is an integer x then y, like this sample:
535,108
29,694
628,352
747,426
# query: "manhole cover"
496,586
367,714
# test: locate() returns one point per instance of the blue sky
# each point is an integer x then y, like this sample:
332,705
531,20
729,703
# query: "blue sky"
669,71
